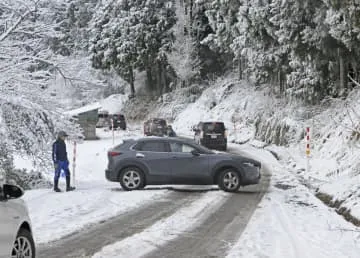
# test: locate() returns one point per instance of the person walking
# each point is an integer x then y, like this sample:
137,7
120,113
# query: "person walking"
61,162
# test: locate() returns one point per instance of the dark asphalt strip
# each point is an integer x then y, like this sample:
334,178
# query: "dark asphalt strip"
90,240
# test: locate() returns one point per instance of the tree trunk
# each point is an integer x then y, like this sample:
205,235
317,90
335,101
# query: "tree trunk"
281,82
163,78
150,80
342,73
131,81
240,67
191,12
158,78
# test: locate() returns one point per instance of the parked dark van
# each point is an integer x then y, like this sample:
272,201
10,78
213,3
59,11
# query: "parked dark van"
118,120
155,127
211,135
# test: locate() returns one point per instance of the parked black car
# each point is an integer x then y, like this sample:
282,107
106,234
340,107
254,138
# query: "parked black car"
155,127
211,134
118,120
175,160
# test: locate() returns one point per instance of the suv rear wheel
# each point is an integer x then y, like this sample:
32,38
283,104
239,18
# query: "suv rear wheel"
24,245
229,180
132,178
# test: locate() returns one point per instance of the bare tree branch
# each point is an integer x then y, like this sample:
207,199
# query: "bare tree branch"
352,80
343,125
14,26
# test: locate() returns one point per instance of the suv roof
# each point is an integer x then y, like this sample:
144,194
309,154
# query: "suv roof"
156,119
212,122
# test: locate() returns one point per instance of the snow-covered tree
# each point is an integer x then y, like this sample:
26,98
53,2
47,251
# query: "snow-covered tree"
132,35
183,56
29,116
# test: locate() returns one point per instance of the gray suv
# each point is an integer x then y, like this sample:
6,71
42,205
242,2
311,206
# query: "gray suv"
160,161
16,238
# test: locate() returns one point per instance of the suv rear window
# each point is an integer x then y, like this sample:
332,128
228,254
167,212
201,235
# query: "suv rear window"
118,117
214,127
160,122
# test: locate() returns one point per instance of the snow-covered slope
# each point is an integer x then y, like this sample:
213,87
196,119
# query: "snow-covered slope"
253,114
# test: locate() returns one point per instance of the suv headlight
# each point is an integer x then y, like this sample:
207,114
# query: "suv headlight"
249,164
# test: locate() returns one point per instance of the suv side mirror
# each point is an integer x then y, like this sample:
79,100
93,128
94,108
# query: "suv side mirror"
12,191
195,153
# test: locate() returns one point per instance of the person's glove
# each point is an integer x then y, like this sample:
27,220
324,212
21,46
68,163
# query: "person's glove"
56,166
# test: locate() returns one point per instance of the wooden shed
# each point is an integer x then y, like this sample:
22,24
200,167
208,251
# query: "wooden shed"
87,117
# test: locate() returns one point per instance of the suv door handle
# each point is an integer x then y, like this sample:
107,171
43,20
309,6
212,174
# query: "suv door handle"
140,155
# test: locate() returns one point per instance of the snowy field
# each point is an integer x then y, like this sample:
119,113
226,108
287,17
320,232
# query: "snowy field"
335,156
55,215
290,221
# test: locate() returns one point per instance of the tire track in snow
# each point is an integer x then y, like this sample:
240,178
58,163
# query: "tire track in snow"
167,229
215,235
86,242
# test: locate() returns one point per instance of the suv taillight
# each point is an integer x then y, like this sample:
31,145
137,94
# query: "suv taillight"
225,134
114,153
201,134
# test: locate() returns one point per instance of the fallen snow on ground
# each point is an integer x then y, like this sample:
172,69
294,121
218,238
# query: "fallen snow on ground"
325,175
167,229
334,133
291,222
55,215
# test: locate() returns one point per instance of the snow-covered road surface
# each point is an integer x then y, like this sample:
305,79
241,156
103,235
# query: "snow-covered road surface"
91,239
100,219
185,220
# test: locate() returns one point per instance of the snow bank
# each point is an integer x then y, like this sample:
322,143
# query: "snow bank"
250,113
114,103
303,226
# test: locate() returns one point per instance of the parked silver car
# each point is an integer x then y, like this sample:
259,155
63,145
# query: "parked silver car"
175,160
16,238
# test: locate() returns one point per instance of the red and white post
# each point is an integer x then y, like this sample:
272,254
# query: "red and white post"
307,151
74,163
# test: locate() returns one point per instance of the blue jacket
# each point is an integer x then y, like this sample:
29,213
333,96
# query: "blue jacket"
59,151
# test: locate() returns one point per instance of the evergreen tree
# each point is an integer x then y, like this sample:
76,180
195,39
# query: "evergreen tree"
133,35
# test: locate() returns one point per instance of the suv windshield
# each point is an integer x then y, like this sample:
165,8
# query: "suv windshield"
204,150
214,127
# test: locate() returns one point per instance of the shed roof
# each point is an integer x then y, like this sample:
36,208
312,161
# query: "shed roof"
83,109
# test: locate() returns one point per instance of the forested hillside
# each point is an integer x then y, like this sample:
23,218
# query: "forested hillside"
56,54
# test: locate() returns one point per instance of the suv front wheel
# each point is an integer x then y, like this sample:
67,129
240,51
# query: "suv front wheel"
24,245
229,180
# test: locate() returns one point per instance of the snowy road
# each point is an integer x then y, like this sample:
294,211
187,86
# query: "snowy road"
218,232
211,226
88,241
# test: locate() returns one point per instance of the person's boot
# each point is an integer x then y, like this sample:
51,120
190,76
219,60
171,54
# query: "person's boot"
56,186
68,187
